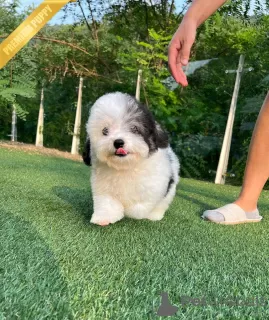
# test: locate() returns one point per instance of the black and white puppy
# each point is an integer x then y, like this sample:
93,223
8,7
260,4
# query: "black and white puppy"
135,171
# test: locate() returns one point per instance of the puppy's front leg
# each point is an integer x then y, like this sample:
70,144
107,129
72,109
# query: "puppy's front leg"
106,210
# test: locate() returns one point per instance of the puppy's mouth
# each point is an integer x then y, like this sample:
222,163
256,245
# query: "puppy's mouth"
121,152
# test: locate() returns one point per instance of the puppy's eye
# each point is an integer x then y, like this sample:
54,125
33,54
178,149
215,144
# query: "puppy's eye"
105,131
134,129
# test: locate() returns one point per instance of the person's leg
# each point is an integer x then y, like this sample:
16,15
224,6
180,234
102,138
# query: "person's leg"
257,170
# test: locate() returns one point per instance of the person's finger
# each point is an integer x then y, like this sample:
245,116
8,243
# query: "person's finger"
185,52
183,77
173,53
178,59
175,66
180,70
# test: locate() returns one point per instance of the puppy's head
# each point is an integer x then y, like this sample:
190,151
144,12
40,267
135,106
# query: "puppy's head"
122,131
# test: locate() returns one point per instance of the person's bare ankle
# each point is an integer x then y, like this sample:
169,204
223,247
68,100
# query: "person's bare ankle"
246,206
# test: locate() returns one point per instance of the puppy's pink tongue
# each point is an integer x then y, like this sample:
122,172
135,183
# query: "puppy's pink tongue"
121,151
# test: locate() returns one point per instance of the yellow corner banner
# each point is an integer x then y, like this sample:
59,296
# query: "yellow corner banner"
29,28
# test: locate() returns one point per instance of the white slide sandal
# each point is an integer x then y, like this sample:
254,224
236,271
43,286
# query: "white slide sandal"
231,214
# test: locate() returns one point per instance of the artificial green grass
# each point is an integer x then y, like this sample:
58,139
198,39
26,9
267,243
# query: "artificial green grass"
54,264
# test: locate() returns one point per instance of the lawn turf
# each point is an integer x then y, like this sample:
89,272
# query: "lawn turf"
54,264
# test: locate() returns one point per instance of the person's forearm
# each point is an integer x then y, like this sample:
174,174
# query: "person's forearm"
200,10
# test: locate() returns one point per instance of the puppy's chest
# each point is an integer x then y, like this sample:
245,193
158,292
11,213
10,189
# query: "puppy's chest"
127,186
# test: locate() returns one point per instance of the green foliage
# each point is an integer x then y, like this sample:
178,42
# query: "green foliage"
18,86
151,58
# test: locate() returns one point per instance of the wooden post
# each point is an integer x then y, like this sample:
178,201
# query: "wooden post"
226,146
138,85
14,125
76,135
40,123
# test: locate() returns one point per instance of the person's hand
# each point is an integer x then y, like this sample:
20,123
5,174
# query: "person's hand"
180,48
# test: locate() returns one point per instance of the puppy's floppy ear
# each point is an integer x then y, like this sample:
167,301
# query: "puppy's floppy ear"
161,137
87,153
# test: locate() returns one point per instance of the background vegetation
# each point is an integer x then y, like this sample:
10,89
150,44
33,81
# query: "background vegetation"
107,45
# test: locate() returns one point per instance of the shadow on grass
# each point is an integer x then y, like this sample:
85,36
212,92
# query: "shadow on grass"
222,198
219,198
80,200
202,205
195,194
30,277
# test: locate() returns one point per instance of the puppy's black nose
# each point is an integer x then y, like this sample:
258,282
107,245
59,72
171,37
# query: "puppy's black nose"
119,143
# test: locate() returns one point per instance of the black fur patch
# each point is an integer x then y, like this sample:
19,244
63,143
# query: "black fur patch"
171,181
87,153
162,137
154,136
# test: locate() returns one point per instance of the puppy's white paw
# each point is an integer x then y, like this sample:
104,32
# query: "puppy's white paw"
106,211
104,219
156,214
